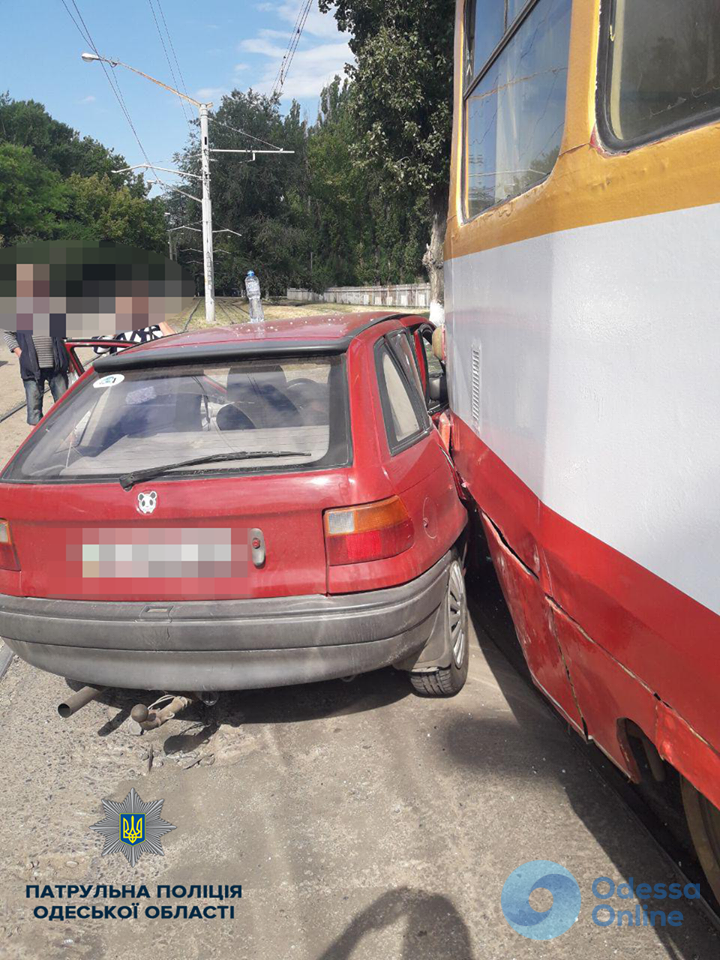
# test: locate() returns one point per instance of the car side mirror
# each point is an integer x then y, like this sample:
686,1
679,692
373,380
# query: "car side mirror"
437,388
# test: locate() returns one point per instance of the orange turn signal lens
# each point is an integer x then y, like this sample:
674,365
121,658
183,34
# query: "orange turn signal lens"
373,531
444,427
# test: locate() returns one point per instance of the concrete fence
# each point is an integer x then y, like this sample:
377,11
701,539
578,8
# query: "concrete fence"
395,295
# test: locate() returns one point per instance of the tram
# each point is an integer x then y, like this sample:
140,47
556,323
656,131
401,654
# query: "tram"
583,353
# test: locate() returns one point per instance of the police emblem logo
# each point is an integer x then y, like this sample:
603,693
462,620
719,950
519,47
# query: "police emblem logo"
132,827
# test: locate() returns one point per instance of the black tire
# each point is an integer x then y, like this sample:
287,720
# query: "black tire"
449,681
703,819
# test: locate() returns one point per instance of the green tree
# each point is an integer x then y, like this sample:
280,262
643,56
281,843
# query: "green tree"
97,210
265,200
402,101
55,184
312,218
33,199
366,233
57,146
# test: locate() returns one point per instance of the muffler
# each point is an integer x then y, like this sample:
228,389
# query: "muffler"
78,700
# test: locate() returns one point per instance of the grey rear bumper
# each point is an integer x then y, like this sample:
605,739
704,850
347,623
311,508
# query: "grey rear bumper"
228,644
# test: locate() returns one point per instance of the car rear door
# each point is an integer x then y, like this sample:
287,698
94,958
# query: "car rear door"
416,460
430,368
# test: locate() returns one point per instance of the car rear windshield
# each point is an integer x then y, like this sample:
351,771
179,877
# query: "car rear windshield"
295,409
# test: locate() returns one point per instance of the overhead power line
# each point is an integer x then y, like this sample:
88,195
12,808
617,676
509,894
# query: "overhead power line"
167,56
114,85
172,47
243,133
287,59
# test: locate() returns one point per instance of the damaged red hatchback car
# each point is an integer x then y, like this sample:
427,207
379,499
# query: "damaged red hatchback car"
253,506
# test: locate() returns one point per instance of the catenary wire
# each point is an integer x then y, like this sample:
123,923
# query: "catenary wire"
114,85
169,62
172,47
242,133
292,47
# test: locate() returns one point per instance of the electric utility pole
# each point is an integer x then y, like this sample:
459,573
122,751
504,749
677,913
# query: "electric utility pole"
208,261
207,230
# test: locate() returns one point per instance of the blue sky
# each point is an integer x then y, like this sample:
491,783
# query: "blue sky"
220,45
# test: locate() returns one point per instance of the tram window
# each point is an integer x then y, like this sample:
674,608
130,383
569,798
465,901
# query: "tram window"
485,26
515,107
663,66
513,9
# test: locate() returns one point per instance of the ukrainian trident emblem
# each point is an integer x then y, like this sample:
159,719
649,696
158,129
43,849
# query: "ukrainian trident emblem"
133,827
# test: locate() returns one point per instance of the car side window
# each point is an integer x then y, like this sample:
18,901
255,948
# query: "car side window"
403,404
403,349
435,368
423,339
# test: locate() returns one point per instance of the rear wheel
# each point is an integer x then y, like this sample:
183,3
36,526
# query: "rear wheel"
447,681
703,820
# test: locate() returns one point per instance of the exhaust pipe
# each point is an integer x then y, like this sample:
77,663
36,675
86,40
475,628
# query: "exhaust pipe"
78,700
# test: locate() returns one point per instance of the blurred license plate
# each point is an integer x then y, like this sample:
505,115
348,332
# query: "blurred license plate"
152,553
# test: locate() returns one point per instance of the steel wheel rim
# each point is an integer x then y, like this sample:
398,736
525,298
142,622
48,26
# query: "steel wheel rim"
703,819
711,823
456,607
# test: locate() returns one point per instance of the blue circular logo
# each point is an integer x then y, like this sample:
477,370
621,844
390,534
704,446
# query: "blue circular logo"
536,924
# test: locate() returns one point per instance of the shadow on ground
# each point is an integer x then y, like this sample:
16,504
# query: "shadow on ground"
296,704
433,927
527,743
513,748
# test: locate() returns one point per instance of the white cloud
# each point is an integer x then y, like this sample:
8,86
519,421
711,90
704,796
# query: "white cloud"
275,34
210,93
317,25
312,68
88,99
241,66
262,46
315,62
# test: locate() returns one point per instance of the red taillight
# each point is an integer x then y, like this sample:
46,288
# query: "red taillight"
8,557
373,531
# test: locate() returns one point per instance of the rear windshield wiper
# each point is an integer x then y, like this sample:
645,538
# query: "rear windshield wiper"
128,480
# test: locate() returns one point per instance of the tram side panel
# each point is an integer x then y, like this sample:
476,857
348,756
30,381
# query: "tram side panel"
582,346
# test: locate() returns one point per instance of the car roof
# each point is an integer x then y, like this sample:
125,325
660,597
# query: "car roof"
317,334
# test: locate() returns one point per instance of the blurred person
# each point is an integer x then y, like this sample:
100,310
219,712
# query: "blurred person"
81,290
42,355
142,335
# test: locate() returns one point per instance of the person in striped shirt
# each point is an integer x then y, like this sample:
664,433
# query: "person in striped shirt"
43,362
141,335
